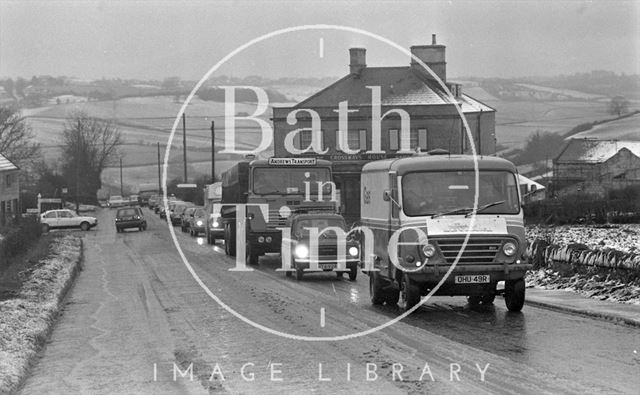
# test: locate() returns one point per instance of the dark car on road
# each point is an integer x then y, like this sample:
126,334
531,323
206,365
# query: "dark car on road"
130,217
197,221
328,254
176,210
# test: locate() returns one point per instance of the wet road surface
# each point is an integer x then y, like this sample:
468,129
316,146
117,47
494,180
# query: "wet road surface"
137,318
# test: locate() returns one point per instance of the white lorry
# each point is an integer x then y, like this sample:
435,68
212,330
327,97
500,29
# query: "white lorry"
420,211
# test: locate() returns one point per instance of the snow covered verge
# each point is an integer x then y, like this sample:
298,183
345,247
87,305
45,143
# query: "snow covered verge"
600,262
26,320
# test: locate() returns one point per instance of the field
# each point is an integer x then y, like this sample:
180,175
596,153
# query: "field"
144,122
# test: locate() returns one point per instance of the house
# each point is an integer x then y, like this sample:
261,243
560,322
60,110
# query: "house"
593,166
9,189
383,112
530,190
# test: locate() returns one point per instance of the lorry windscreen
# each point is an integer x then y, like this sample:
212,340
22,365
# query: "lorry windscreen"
290,180
437,192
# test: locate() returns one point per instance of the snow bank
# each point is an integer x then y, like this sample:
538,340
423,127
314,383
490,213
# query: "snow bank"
25,321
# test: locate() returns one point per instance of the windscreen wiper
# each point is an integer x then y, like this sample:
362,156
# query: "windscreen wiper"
482,208
456,211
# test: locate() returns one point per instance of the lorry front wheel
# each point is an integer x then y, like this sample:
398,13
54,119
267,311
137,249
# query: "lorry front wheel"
353,273
230,240
514,291
252,258
376,288
409,294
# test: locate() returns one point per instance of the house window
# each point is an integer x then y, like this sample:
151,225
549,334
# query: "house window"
305,139
353,140
363,139
393,139
8,180
422,139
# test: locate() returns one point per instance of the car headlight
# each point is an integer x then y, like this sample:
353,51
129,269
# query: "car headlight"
199,223
353,251
428,250
509,248
302,251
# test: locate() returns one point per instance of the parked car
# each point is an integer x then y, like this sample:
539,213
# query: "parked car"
176,210
185,218
116,201
66,219
134,200
130,217
198,222
327,254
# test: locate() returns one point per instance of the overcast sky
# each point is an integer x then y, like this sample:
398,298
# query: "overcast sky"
156,39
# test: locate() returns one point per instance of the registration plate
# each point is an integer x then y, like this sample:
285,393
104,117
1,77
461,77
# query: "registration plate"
327,266
473,279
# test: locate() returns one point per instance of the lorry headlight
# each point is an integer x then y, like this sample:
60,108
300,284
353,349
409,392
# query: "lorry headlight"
302,251
215,223
261,239
353,251
428,250
268,239
199,223
509,248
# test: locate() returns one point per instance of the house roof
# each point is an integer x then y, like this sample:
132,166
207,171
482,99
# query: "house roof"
595,151
400,86
5,164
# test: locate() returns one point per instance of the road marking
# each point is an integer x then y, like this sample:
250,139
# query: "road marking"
321,47
322,317
334,289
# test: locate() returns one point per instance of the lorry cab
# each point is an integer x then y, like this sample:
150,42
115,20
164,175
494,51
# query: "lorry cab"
435,218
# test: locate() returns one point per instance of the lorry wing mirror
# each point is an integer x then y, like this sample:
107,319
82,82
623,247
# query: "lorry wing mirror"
387,196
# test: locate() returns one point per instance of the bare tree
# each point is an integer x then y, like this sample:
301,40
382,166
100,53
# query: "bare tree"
16,138
618,105
90,145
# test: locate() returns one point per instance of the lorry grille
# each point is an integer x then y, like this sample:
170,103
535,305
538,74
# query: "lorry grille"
275,220
477,250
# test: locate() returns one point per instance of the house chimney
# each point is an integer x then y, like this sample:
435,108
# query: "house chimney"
433,56
358,60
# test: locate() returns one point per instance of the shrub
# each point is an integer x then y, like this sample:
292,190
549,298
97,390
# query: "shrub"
17,237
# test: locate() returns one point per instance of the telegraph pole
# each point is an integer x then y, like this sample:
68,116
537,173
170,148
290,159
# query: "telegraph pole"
159,177
121,188
184,145
213,152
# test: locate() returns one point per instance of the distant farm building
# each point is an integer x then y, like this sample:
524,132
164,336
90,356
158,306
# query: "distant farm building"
595,167
9,189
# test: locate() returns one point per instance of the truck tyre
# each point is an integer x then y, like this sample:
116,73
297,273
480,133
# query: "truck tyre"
209,239
299,273
230,239
353,273
514,291
376,288
409,294
252,258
